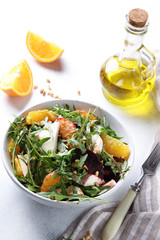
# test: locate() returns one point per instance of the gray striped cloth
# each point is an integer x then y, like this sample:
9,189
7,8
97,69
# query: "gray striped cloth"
141,223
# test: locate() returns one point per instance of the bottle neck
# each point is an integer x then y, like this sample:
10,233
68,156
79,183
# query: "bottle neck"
133,41
132,44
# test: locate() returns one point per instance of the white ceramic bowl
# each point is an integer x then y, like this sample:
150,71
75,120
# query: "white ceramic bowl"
115,125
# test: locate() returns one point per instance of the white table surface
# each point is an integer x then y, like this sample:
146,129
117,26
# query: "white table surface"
89,31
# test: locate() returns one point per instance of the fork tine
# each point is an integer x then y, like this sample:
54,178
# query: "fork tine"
156,151
153,159
152,154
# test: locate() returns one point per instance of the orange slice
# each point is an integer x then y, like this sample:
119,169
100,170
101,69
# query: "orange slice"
42,50
115,147
49,181
67,128
40,115
18,167
18,81
11,146
85,114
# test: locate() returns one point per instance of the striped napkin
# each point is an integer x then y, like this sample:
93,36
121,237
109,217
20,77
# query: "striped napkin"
141,223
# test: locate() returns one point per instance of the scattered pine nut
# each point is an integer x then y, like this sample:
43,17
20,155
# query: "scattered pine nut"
96,184
42,90
96,173
89,233
85,167
57,97
87,237
51,94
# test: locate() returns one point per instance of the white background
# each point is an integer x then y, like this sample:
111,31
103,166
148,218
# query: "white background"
89,31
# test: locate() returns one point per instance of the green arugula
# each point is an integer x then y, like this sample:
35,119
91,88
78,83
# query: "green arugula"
53,194
41,163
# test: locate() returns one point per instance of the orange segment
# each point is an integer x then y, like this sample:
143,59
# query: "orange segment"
18,81
49,181
11,146
40,115
18,167
42,50
67,128
115,147
85,115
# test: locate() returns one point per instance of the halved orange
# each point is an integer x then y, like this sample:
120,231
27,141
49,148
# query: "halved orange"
42,50
18,81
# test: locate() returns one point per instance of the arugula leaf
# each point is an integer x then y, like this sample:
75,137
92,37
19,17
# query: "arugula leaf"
82,160
92,190
117,167
43,140
59,197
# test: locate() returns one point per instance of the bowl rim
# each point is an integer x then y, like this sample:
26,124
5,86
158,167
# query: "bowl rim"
48,201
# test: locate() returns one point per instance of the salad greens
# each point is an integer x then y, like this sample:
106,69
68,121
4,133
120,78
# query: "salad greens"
74,160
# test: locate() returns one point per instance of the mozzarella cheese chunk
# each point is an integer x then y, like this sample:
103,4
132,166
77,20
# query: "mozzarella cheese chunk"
111,183
52,133
98,143
78,190
90,180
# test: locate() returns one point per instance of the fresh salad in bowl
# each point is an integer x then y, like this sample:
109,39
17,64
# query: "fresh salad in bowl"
64,153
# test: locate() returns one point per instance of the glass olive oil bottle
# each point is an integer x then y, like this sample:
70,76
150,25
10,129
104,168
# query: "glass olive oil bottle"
128,77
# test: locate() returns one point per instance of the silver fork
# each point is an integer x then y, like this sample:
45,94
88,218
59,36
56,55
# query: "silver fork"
114,223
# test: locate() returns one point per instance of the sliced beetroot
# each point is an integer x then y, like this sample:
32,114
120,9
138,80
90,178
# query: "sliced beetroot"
77,154
109,175
93,164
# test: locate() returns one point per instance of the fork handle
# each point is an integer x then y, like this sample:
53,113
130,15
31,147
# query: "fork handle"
118,216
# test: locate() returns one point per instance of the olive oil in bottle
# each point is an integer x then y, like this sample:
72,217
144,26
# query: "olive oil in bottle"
127,78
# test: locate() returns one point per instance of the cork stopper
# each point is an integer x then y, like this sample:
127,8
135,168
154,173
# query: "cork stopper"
138,17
